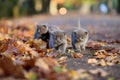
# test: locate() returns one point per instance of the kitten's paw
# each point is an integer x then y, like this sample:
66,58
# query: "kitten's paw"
60,51
77,50
83,48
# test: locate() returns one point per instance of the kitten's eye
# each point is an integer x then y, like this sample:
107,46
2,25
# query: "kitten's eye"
82,37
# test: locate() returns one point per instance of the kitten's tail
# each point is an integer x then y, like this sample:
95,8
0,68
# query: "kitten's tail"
79,25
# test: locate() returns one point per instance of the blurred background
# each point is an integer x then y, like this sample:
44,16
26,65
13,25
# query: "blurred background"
17,8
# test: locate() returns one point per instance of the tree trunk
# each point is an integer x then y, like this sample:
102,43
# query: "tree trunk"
45,5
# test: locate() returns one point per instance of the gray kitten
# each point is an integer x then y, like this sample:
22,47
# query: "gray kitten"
55,37
79,39
41,32
58,41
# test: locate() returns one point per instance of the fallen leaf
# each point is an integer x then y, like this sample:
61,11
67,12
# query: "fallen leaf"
92,61
99,72
58,69
102,62
62,59
42,65
4,45
31,75
14,69
73,74
101,54
51,62
70,51
76,55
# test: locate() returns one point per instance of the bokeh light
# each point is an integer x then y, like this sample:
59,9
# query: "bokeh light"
62,11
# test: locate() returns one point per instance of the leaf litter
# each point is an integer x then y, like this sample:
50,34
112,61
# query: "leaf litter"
22,57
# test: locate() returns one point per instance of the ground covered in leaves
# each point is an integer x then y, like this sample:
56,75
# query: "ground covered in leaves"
22,57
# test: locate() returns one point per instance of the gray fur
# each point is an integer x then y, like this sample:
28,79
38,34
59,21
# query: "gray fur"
79,39
57,38
58,41
40,30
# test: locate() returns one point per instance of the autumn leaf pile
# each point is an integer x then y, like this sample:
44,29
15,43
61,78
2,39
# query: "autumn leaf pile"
104,54
22,57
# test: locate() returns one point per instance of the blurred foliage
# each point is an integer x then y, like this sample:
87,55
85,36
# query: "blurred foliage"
6,7
16,8
116,5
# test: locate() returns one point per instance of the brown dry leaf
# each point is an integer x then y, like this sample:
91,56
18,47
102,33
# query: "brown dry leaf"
4,45
31,52
42,65
13,47
50,50
14,69
3,27
101,54
110,63
4,36
109,48
46,64
40,43
27,64
92,61
73,74
77,55
84,75
103,62
62,59
113,59
51,62
27,49
95,45
99,72
58,76
18,48
1,72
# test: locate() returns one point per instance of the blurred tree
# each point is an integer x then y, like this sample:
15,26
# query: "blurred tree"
116,5
27,7
45,5
31,6
53,7
38,6
6,7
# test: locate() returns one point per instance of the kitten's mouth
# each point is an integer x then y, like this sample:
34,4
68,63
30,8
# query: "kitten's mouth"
78,40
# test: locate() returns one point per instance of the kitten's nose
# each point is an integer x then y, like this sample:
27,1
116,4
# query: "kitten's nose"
77,40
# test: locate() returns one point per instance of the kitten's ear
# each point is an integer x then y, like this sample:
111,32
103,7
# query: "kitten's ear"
86,33
74,33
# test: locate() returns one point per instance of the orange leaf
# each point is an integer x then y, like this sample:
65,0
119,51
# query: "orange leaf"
76,55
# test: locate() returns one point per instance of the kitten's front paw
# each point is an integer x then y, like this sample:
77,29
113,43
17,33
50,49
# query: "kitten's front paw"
60,51
83,48
77,50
